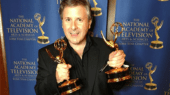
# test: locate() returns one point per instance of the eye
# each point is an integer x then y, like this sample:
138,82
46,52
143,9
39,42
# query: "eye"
68,19
79,19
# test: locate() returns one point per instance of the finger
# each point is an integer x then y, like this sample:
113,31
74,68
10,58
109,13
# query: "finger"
116,66
66,66
64,71
112,54
117,56
66,77
119,53
62,66
63,74
69,66
118,63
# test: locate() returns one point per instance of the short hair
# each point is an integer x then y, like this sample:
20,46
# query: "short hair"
71,3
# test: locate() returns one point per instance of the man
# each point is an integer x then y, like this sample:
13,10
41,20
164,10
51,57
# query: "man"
84,55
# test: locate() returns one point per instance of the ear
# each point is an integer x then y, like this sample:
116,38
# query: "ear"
90,22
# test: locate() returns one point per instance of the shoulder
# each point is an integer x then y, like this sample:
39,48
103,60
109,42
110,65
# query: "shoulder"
49,47
99,42
97,39
47,53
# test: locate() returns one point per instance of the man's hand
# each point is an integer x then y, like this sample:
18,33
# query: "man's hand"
62,72
116,59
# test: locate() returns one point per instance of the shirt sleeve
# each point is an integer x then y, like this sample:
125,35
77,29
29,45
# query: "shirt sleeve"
46,83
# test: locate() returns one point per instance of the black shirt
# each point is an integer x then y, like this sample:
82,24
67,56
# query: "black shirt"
80,66
95,56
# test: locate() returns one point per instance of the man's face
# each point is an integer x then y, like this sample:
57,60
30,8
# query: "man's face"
75,24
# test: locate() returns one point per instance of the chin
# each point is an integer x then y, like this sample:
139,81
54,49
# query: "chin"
74,42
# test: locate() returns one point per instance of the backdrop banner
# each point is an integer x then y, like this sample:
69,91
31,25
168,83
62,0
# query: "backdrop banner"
146,45
30,25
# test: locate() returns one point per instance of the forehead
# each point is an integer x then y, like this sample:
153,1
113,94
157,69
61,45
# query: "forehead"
75,11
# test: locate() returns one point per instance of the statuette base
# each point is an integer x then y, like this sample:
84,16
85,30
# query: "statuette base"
156,45
163,0
118,75
70,86
96,11
43,40
150,86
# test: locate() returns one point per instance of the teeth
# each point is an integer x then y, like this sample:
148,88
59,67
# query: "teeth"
74,33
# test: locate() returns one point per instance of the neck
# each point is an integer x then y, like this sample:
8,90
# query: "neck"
79,48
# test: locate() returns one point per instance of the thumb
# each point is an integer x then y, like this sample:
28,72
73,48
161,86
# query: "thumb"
112,54
69,66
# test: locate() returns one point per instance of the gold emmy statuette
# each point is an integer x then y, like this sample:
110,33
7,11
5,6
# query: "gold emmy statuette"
150,86
116,74
69,86
41,39
95,10
156,44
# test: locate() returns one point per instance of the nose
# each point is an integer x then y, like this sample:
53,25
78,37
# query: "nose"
73,25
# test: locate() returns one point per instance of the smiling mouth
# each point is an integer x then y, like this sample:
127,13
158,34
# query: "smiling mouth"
74,33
